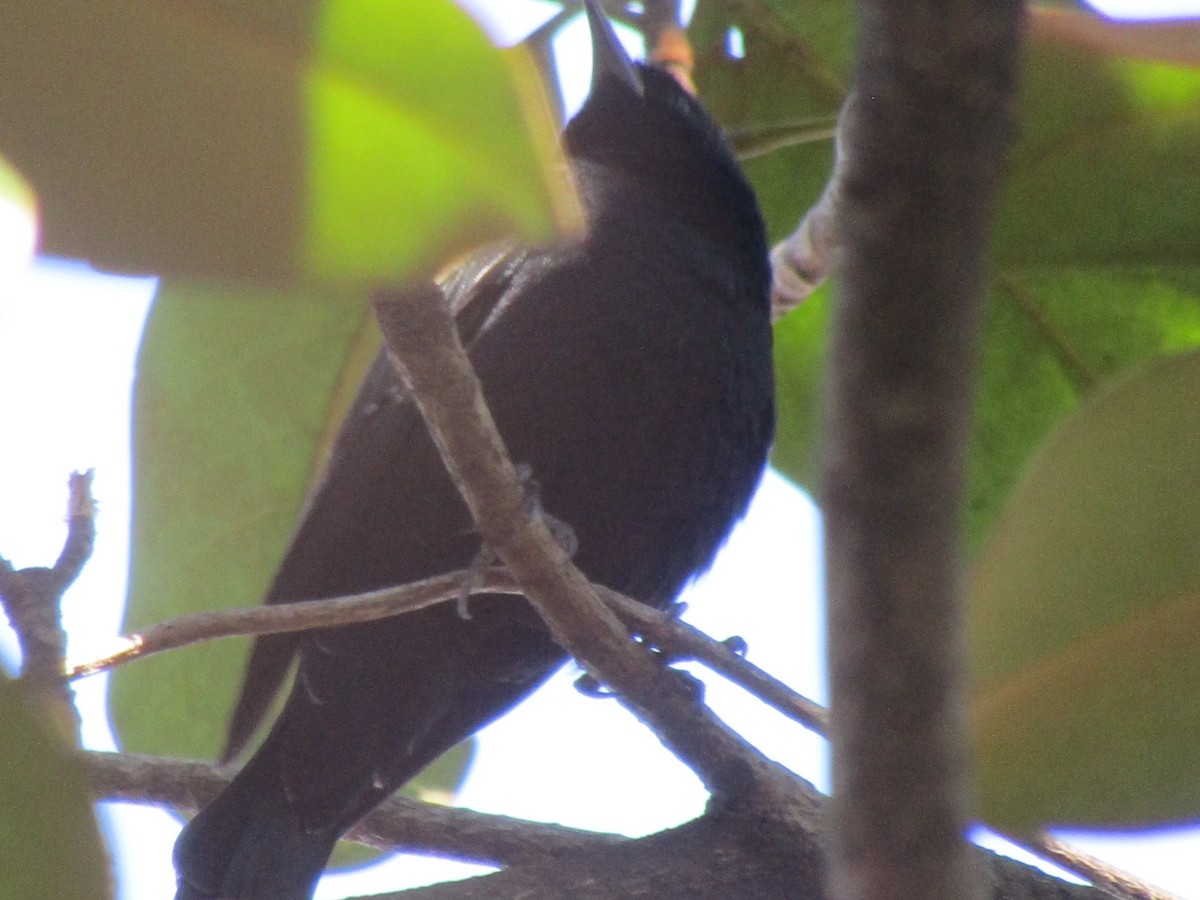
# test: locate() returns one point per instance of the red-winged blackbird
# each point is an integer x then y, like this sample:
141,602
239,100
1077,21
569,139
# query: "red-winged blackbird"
631,370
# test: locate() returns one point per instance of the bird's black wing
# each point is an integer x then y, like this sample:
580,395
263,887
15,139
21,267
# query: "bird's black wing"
474,291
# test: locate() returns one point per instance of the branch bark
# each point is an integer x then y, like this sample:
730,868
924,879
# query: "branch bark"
188,785
802,261
701,861
925,135
301,616
710,857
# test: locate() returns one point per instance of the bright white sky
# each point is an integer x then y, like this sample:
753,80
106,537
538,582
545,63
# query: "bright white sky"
588,764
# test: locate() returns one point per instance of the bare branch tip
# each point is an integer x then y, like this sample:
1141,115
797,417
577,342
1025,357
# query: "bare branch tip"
81,503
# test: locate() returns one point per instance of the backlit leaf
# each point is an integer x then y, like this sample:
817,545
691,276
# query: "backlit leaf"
359,141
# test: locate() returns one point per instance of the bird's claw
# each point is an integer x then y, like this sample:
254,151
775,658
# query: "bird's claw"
736,644
587,685
476,572
692,685
675,609
564,535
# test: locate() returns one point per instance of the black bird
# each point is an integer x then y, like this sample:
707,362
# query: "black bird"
631,370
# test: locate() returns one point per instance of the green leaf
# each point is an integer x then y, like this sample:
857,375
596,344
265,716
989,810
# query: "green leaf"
1105,169
46,818
1052,337
1085,606
238,396
278,141
304,140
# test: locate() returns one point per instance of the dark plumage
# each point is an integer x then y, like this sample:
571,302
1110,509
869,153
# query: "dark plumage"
631,370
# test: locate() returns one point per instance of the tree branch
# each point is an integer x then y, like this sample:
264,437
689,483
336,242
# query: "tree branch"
285,617
407,824
705,860
925,134
679,640
424,346
708,857
399,823
751,141
802,261
1116,882
673,638
32,599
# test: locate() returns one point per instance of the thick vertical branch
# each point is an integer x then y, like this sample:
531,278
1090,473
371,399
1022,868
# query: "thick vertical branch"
927,131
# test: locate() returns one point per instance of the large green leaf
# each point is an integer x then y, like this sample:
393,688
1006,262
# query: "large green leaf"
277,141
236,395
1086,613
48,835
1105,171
1053,336
237,398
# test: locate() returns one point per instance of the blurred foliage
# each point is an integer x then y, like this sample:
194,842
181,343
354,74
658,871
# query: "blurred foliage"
1087,608
273,141
46,818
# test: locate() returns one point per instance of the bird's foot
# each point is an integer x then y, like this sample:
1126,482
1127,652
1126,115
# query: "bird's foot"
563,533
689,683
587,685
675,609
736,644
564,536
476,573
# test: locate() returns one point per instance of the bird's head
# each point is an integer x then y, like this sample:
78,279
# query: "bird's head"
643,130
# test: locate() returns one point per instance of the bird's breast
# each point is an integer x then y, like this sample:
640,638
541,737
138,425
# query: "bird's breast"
641,396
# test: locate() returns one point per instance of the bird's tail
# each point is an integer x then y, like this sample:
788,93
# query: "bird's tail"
249,844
